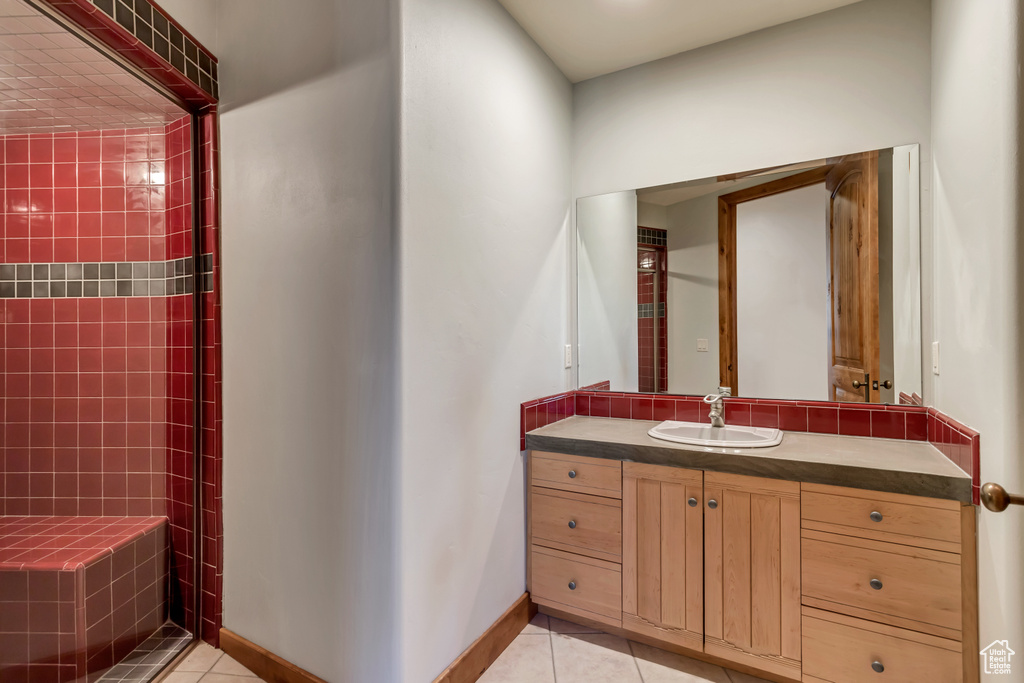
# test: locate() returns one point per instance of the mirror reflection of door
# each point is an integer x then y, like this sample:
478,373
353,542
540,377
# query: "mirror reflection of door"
853,279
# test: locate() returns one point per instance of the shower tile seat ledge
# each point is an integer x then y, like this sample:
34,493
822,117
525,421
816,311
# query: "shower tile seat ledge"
77,594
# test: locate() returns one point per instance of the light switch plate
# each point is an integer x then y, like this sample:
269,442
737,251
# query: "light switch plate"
935,358
702,345
568,355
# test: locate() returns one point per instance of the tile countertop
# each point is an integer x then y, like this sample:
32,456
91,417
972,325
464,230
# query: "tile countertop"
911,467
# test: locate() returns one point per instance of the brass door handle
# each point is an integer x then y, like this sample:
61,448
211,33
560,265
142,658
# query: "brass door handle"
857,384
996,499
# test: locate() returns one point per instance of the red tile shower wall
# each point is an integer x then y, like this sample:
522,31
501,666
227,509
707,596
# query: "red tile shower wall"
84,197
210,448
84,418
84,377
179,346
645,332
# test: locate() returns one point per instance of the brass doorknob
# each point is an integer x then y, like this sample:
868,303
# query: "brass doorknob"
996,499
857,384
887,384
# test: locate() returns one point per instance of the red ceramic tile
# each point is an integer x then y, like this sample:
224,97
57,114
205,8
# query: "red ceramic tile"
823,420
854,422
765,415
917,426
737,413
664,409
887,424
620,407
641,408
600,406
582,404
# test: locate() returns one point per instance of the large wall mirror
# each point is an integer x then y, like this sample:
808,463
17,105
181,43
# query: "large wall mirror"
800,281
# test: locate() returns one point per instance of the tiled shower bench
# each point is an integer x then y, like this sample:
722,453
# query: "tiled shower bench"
78,593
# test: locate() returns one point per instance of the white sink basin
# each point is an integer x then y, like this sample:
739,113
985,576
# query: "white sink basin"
729,436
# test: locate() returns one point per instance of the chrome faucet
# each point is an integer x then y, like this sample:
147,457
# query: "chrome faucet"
715,401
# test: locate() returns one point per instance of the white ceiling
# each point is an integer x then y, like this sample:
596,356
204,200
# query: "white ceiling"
50,80
588,38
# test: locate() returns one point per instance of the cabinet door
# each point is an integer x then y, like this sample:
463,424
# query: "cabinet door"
662,553
752,571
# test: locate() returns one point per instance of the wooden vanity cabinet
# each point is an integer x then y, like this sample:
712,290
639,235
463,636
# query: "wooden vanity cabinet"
663,553
800,582
752,572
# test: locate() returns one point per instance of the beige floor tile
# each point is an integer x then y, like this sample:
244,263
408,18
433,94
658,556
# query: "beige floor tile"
660,666
203,658
184,677
561,626
593,658
526,660
227,678
537,625
737,677
227,665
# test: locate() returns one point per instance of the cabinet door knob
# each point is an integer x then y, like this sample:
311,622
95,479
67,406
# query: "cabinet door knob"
712,503
692,502
572,523
876,516
572,474
572,585
877,667
876,584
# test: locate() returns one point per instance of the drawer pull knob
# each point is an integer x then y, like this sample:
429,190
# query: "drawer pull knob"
876,516
877,667
572,524
712,503
876,584
572,585
692,502
572,474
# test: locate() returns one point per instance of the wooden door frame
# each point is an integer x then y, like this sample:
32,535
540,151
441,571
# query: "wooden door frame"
728,370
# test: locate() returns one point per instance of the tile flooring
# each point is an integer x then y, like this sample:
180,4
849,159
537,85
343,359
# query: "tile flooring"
208,665
550,650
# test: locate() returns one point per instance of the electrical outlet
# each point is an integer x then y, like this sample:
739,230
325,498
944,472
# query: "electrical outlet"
935,358
568,355
702,345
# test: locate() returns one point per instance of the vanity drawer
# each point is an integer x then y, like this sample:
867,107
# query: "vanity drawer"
576,473
582,584
841,649
577,523
915,587
911,520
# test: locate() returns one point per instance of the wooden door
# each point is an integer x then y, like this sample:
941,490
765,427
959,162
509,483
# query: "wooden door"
752,571
853,273
662,553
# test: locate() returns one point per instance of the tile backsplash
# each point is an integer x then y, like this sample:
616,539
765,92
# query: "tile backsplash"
906,422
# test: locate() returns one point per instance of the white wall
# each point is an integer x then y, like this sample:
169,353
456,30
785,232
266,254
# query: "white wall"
485,208
693,295
607,292
310,473
782,303
978,277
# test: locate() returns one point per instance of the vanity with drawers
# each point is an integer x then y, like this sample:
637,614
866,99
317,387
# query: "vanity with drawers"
784,578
